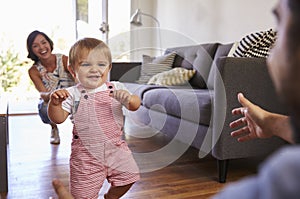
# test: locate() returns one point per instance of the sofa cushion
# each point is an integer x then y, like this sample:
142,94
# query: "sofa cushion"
198,57
173,77
178,101
189,104
140,89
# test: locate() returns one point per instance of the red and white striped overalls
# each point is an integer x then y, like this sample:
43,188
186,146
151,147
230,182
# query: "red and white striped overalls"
98,152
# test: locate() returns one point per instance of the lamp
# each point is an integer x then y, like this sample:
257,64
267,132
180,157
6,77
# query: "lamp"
136,20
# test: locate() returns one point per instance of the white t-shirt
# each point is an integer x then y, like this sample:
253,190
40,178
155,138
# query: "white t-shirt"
71,103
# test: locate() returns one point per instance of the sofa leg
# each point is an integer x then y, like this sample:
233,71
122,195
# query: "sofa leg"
222,169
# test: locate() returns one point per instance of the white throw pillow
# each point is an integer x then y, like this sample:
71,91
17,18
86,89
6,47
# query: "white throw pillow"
174,77
154,65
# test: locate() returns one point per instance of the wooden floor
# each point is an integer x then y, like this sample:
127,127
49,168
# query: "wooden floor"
33,163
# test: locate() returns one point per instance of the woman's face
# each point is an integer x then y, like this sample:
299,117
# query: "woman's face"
41,47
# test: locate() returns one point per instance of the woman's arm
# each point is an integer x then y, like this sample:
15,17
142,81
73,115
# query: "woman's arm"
37,81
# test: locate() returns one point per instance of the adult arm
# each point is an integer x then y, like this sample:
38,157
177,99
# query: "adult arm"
259,123
37,81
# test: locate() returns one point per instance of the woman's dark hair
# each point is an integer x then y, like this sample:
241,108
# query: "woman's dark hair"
31,37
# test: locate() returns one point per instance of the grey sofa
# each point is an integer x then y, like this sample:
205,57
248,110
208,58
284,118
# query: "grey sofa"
199,114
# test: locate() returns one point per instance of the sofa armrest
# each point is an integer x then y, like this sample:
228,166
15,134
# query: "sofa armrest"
249,76
125,71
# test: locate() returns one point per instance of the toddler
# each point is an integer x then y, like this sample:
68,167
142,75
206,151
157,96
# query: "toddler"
95,106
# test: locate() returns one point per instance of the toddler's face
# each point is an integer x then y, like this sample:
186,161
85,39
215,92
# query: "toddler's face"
92,70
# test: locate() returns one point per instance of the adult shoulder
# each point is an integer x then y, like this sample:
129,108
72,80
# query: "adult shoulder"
280,174
33,71
278,177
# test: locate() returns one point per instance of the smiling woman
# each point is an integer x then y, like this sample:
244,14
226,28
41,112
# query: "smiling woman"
48,73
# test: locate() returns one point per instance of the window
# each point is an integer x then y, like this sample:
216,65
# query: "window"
64,22
55,18
92,15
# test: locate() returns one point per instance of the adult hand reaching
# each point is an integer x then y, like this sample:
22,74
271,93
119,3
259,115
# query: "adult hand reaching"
258,123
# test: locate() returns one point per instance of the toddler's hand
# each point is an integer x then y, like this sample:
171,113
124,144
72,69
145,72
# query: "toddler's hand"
122,96
58,96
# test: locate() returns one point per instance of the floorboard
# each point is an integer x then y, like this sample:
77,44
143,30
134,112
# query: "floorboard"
34,162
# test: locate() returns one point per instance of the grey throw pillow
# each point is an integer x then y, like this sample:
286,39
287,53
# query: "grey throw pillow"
154,65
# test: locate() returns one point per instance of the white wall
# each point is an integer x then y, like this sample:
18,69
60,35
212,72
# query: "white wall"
19,18
210,20
144,38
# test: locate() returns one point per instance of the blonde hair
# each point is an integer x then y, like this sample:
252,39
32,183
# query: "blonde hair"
87,45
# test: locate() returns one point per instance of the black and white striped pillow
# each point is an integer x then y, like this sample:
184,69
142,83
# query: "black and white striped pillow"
256,44
154,65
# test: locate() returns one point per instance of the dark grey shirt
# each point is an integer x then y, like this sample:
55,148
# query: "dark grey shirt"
278,178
